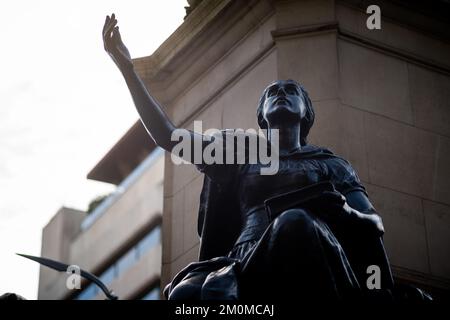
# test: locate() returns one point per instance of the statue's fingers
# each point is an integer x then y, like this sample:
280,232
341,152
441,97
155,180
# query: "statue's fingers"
113,25
109,28
113,20
105,25
110,23
105,38
106,35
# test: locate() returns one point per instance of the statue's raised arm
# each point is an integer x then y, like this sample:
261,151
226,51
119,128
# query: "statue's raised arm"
150,111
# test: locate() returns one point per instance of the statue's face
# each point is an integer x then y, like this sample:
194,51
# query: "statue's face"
283,103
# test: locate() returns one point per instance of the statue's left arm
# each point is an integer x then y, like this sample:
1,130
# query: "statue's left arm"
362,209
361,226
351,199
355,210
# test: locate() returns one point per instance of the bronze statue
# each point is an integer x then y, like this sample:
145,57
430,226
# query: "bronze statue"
308,231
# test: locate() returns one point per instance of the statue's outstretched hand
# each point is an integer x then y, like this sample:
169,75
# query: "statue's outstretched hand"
114,45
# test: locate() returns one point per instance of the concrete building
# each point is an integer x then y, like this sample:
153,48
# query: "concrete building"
120,240
381,99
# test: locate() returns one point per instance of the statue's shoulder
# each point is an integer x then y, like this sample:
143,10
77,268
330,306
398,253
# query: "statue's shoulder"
334,162
318,150
328,155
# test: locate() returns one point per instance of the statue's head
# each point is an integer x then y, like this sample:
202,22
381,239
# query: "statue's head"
286,103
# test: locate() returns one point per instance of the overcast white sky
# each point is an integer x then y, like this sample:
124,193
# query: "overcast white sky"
63,105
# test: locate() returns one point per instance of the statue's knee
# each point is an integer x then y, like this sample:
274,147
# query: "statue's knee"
185,290
292,220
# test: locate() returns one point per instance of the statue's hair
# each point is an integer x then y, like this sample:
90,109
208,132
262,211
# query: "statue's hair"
306,122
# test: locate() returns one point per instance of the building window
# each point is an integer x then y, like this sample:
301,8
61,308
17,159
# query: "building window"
126,261
88,293
152,239
119,267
